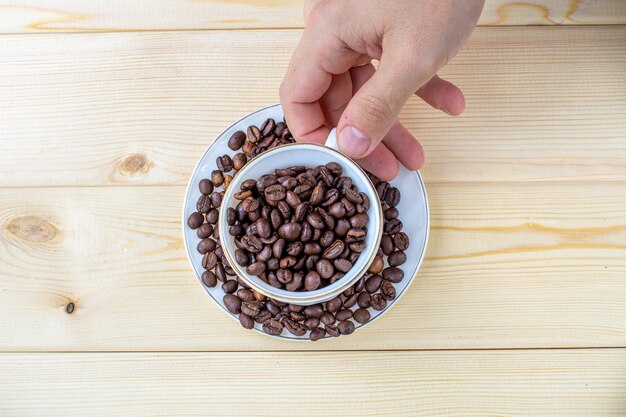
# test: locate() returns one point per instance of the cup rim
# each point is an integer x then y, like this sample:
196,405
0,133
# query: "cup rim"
302,297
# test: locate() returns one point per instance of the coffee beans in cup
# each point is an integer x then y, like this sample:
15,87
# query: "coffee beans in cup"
299,229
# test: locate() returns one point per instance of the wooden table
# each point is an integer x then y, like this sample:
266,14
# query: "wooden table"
519,308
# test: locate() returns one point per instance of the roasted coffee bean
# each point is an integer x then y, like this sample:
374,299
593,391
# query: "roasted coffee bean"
311,323
296,316
206,186
266,181
393,226
346,327
386,244
388,290
204,203
224,163
220,273
235,230
269,240
227,180
341,227
231,216
253,134
335,168
353,196
377,265
372,284
271,279
263,228
330,197
284,276
396,258
325,268
195,220
229,270
301,212
317,195
292,199
256,268
295,328
355,235
265,254
209,279
273,327
288,261
254,215
333,305
296,282
217,177
344,314
250,204
273,264
334,250
239,161
279,129
315,310
245,294
252,308
315,220
359,221
204,231
272,308
246,321
307,232
312,248
216,199
317,334
327,318
329,220
401,241
263,316
247,148
311,261
251,243
290,231
316,234
312,281
209,260
381,189
342,265
276,218
357,247
336,277
232,303
294,248
361,315
236,140
348,292
275,192
332,331
379,302
337,210
360,285
391,213
267,142
278,248
230,287
212,216
364,300
393,274
392,196
206,245
351,301
248,185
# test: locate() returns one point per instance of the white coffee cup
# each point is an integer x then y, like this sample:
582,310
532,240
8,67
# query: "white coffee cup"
309,155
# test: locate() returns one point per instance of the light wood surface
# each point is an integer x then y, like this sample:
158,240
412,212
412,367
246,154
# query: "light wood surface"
36,16
508,266
490,383
518,310
543,103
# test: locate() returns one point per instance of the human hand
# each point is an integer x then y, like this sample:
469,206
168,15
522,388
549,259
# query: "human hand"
331,81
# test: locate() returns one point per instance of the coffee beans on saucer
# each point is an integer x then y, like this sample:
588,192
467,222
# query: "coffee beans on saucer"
300,229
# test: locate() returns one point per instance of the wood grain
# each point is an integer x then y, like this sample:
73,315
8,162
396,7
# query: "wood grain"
503,383
509,265
543,104
41,16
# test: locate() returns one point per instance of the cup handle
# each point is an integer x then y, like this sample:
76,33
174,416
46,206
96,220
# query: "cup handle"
331,140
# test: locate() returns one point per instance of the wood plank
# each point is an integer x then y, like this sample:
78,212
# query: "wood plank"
543,104
50,16
512,383
509,265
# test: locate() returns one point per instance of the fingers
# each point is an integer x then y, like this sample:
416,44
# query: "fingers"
404,146
336,98
381,162
375,106
443,95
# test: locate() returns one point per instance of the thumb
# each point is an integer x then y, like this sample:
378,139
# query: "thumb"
375,107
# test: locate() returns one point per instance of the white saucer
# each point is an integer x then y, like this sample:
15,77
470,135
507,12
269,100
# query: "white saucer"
413,210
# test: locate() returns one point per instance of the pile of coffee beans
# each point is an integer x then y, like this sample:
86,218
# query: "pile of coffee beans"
332,318
299,229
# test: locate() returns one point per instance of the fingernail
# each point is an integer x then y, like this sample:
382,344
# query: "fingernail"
353,142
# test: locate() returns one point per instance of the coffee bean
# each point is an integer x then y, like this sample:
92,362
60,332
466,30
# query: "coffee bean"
239,161
212,216
342,265
301,211
245,294
253,134
275,192
327,318
209,260
292,199
216,199
357,247
230,287
206,186
329,220
220,273
204,204
332,331
393,274
288,261
195,220
393,226
209,279
337,210
388,290
284,276
312,281
364,300
246,321
344,314
317,334
296,282
294,248
252,308
224,163
290,231
315,220
361,315
333,305
381,189
273,264
273,327
396,258
236,140
263,316
330,197
359,221
351,301
372,284
392,197
401,241
295,316
386,244
355,235
345,327
232,303
217,177
265,254
307,232
204,231
256,268
379,302
295,328
377,265
325,268
391,213
314,310
341,227
317,195
263,228
334,250
327,238
251,243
